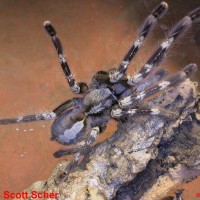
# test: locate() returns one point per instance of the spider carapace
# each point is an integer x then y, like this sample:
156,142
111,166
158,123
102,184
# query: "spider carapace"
111,94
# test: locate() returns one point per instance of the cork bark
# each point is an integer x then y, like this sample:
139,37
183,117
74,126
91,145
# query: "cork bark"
144,158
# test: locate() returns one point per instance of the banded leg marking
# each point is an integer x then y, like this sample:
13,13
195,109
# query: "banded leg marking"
160,53
146,29
119,113
152,80
44,116
134,98
76,87
29,118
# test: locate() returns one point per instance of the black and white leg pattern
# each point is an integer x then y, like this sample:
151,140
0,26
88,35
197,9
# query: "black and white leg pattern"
29,118
151,80
136,97
126,104
160,53
119,113
76,87
116,74
44,116
91,137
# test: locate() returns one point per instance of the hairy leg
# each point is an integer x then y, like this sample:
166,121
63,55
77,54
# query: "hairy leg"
160,53
137,97
119,113
44,116
76,87
116,74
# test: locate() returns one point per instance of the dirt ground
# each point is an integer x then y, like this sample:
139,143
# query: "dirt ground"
95,35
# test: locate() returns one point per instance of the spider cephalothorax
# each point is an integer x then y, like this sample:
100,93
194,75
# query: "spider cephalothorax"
111,94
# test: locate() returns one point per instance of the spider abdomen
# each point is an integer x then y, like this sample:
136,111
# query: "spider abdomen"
70,127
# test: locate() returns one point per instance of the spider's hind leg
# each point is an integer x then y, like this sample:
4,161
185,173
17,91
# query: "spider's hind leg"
151,80
120,113
68,151
127,104
136,97
92,134
76,87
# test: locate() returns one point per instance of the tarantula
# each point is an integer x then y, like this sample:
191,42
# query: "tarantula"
111,94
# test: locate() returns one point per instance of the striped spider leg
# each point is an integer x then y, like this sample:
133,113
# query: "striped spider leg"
44,116
126,104
155,60
138,80
76,87
116,74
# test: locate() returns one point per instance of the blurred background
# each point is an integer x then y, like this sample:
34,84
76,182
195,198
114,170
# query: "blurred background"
95,35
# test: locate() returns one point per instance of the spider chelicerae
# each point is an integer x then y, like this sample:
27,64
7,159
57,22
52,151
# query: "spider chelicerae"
111,94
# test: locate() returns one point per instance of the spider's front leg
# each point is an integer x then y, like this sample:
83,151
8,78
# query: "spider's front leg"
29,118
115,74
85,149
158,56
44,116
76,87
